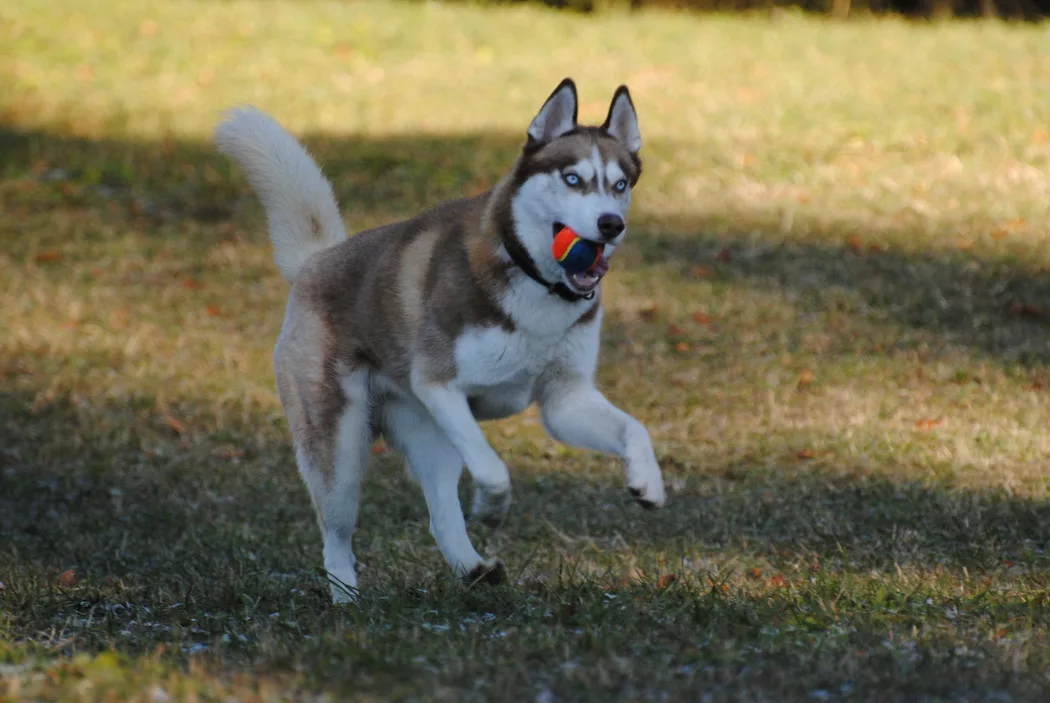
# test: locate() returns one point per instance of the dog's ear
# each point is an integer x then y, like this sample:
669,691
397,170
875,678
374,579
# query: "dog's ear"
557,116
622,121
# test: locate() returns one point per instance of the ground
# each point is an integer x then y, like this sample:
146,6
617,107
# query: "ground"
830,313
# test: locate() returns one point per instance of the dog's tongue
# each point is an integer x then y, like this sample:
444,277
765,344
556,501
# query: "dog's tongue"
601,266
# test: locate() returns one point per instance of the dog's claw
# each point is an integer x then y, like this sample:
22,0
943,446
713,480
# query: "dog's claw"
491,572
639,496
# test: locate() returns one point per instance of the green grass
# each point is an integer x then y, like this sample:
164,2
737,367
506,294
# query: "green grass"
830,314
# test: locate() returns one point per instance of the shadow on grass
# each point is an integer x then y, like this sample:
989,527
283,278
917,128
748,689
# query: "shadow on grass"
111,491
995,308
174,543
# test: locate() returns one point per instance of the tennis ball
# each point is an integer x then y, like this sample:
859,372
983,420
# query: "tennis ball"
575,254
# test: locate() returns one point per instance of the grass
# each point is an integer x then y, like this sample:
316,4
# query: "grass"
830,314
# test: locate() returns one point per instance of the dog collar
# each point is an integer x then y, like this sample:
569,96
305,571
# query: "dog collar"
522,261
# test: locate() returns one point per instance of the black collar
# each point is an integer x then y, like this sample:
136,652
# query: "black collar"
522,260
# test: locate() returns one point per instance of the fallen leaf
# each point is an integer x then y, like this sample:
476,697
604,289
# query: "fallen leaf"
702,271
633,574
212,311
1007,227
190,283
648,313
174,425
666,580
702,318
805,454
928,423
47,257
1025,310
682,347
228,453
68,578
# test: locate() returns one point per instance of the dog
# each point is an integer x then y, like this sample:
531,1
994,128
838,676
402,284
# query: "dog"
417,330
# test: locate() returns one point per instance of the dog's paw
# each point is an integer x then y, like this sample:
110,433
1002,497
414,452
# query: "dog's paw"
647,486
490,506
491,572
343,593
342,596
642,497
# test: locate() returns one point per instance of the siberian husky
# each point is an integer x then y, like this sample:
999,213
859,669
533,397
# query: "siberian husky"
417,330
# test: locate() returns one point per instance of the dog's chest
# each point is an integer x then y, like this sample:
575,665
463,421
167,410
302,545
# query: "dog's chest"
498,369
492,357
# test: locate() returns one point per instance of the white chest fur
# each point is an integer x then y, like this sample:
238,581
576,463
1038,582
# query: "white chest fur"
497,369
491,356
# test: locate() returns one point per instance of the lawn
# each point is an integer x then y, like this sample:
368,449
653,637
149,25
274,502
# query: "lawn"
831,313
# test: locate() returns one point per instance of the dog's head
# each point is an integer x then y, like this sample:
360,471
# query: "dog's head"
577,176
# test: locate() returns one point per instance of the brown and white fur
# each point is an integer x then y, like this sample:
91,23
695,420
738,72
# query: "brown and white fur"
417,330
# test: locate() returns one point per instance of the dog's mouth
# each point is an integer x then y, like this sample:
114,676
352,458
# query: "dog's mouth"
586,281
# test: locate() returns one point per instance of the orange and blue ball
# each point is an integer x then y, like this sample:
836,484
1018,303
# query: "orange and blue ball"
574,253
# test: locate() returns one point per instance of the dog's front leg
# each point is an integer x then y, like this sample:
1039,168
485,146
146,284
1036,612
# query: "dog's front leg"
451,411
575,413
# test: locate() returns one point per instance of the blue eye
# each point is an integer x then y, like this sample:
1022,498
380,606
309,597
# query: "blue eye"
572,179
621,185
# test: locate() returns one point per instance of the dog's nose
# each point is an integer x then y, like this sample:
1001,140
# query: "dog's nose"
610,225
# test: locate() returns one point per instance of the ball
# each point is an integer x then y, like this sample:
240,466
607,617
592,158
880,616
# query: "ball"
575,254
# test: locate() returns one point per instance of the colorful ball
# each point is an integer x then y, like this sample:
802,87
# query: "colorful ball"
575,255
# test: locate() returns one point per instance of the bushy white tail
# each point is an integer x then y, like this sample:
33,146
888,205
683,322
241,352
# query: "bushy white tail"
301,209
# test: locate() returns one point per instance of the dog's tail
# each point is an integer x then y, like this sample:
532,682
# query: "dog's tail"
301,210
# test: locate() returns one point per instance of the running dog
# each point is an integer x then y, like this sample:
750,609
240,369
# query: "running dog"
417,330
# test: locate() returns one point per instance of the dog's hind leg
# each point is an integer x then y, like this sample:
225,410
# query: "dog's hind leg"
434,462
332,437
